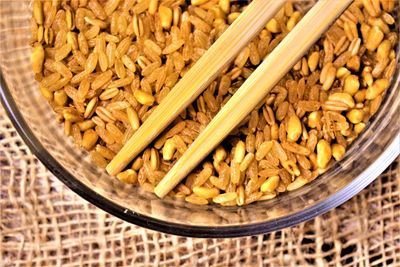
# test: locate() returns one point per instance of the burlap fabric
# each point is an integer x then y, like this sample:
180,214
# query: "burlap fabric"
43,223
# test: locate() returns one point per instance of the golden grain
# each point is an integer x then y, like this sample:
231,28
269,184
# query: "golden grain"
220,154
144,98
37,11
153,6
329,79
240,151
296,184
293,20
97,159
37,58
314,119
338,151
232,16
313,60
205,192
133,118
225,197
129,176
225,6
165,17
196,200
270,184
168,149
294,128
273,26
87,124
263,150
355,116
198,2
377,88
351,84
60,98
89,139
324,153
374,39
246,162
359,127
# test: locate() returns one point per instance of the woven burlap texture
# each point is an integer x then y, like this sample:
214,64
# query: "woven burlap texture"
43,223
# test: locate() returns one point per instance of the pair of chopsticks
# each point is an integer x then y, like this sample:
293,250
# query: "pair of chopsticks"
255,88
195,81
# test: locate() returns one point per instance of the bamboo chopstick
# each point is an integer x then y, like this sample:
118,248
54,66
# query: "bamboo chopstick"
255,88
228,45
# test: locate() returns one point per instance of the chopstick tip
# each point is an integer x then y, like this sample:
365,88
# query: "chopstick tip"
160,192
111,170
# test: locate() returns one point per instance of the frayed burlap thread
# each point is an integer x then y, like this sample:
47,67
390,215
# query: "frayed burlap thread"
43,223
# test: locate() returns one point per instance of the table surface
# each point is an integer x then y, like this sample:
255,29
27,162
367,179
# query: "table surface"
43,223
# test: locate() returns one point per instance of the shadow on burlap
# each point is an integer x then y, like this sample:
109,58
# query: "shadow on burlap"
43,223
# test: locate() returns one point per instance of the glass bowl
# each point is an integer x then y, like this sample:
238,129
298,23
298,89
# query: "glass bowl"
35,121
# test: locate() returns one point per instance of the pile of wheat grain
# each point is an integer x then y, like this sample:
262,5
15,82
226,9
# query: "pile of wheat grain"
104,66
